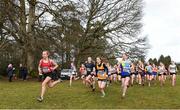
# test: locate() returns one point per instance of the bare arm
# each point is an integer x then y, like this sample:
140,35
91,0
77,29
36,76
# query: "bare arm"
39,68
55,65
118,69
141,67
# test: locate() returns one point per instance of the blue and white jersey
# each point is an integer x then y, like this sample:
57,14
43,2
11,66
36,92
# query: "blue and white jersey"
149,69
125,67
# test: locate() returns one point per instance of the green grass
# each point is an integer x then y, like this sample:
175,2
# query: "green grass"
21,94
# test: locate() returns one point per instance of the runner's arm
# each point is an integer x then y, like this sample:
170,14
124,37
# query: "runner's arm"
119,68
96,71
39,68
55,65
142,67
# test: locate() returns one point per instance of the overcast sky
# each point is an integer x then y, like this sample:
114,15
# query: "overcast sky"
162,25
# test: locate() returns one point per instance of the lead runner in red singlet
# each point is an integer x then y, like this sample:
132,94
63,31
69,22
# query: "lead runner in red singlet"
45,68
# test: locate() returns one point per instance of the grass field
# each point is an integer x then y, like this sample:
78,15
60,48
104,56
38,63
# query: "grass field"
19,94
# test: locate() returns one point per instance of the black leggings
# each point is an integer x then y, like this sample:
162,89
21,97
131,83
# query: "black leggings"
24,76
10,78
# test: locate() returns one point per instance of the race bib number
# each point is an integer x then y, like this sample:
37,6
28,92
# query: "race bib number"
101,72
46,70
89,69
102,75
126,70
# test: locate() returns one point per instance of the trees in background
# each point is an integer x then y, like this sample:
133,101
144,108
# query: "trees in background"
165,60
71,30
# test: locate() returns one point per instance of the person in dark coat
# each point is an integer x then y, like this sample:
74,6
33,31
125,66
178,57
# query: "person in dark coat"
10,71
23,71
20,71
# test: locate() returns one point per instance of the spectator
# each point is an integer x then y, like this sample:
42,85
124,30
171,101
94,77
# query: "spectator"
20,71
10,71
23,72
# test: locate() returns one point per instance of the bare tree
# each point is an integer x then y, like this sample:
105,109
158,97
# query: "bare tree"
73,28
117,21
21,20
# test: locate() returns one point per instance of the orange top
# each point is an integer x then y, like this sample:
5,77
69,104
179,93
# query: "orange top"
101,74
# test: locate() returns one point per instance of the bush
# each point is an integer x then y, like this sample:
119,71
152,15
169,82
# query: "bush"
33,74
3,70
0,77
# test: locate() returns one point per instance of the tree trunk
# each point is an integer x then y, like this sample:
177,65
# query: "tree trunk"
30,61
31,47
24,57
62,57
22,32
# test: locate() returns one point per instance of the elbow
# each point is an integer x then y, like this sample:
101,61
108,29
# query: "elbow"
56,66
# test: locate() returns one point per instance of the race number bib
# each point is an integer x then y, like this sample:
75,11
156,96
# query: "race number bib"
101,75
101,72
46,70
89,69
125,69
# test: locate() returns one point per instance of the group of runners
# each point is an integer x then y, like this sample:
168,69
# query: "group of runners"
102,72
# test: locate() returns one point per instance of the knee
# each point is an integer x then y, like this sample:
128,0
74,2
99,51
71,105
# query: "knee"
43,84
126,84
50,86
101,88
